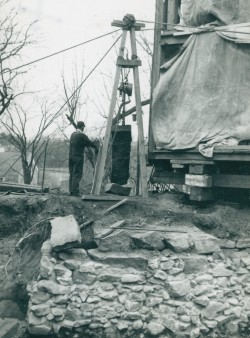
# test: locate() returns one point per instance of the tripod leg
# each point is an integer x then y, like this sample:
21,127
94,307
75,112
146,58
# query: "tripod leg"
142,154
100,164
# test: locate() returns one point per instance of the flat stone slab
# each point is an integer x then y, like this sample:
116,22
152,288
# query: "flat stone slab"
9,327
65,233
178,242
243,243
116,189
205,243
194,264
150,240
118,241
136,259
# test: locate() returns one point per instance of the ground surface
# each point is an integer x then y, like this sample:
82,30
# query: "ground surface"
25,225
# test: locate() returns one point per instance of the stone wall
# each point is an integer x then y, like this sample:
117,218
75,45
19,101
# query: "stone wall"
151,284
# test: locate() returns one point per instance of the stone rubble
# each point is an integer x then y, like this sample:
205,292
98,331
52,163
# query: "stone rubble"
161,293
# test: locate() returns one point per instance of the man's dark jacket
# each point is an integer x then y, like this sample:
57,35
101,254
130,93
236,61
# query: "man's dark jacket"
78,141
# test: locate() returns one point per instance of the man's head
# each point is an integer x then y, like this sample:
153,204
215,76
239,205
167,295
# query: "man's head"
80,125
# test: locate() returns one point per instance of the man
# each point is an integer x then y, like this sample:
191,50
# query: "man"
78,142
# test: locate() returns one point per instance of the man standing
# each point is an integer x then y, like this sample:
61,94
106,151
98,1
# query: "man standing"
78,142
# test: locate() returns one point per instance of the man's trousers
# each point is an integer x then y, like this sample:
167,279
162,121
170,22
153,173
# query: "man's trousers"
75,174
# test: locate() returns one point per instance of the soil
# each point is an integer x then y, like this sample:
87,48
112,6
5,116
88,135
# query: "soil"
25,226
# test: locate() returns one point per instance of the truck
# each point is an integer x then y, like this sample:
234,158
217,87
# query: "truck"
199,128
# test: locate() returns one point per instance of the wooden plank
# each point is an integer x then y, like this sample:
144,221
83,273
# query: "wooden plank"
102,155
16,187
177,166
231,150
128,63
112,228
205,181
101,198
141,142
201,194
243,156
191,162
231,181
117,189
115,206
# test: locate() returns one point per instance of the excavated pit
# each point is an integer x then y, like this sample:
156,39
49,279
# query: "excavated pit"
167,266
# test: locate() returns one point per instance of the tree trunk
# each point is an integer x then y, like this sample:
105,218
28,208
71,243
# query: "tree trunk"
27,177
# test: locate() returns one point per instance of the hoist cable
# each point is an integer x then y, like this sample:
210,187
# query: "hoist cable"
65,50
70,98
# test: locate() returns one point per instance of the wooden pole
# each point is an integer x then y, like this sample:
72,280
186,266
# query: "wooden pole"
142,154
156,63
102,156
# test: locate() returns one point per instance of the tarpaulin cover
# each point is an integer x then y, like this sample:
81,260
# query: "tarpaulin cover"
204,93
224,12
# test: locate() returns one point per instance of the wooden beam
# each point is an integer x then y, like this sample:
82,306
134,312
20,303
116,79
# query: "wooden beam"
156,63
128,63
115,206
102,155
201,194
222,153
194,162
141,142
119,23
177,166
102,198
218,180
21,187
204,181
231,181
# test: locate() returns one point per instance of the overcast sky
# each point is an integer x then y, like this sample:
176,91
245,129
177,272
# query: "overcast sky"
63,23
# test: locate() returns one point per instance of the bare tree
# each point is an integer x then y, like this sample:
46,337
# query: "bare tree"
72,95
13,39
74,104
17,124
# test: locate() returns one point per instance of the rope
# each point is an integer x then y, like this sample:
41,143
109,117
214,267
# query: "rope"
65,50
87,76
70,98
193,27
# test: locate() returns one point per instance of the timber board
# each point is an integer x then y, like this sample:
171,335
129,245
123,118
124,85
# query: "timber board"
221,153
108,197
231,181
218,180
